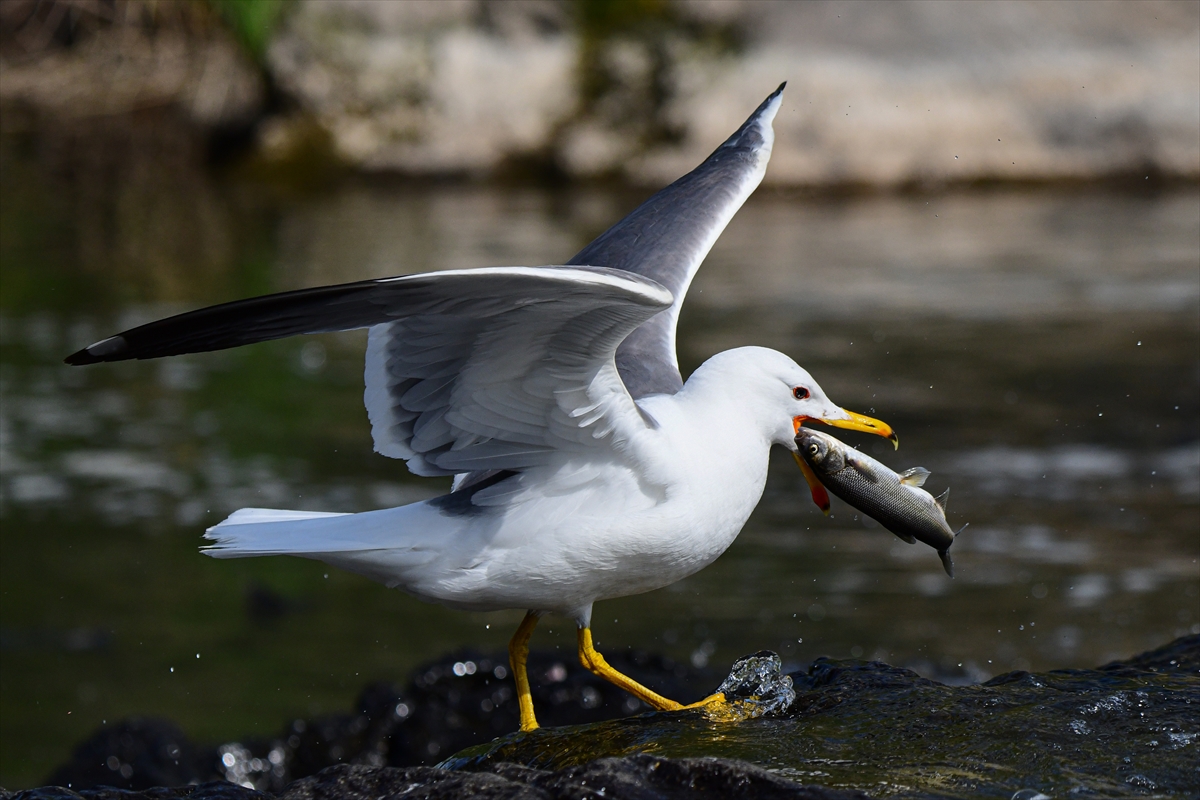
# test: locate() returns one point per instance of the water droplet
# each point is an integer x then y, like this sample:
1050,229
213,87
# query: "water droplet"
312,357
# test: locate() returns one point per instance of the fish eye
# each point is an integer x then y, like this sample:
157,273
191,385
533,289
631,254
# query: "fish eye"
812,448
800,393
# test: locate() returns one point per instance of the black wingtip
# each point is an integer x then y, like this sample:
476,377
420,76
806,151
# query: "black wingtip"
110,349
754,119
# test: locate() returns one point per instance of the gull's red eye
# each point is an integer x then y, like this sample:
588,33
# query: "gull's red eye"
800,393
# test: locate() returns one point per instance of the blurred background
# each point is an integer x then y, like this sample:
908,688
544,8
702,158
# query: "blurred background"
981,223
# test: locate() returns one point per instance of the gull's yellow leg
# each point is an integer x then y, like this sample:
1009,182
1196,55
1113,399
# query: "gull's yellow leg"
518,654
595,663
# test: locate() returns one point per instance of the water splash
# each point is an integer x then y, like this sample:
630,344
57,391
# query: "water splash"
756,686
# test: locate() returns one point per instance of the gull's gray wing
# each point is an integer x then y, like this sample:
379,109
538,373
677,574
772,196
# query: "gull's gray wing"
666,238
467,370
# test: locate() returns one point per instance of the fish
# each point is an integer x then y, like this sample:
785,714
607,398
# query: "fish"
894,500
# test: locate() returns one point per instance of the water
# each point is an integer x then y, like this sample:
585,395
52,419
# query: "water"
1036,350
1124,730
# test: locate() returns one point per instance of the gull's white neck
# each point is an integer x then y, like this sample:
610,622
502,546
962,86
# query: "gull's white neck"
717,444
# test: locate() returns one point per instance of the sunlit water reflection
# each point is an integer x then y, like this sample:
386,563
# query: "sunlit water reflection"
1038,352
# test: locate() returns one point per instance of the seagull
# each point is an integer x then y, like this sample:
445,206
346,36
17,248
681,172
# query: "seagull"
585,467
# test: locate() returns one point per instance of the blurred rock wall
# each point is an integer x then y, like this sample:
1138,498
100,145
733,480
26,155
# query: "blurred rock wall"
70,61
880,93
897,93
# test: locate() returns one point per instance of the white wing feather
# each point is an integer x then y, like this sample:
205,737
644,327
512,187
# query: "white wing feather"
502,379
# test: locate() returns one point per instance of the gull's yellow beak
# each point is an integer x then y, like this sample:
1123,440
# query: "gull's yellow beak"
856,422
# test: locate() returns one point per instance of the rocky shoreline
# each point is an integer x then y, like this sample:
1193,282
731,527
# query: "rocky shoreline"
1128,724
640,776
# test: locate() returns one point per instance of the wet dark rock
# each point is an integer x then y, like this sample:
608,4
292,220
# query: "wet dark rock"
212,790
369,783
137,753
646,776
1179,657
640,777
461,700
1122,729
468,698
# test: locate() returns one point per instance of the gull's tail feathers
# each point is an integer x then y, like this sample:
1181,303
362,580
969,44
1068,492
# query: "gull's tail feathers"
274,532
390,545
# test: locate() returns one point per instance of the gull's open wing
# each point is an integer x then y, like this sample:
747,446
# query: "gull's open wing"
467,370
666,238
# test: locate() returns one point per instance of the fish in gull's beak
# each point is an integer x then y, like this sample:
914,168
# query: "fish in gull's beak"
852,421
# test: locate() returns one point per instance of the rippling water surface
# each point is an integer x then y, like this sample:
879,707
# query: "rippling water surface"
1037,351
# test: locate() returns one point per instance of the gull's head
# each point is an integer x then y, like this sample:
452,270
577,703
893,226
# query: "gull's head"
784,395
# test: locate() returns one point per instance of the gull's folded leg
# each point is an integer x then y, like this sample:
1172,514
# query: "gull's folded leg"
518,654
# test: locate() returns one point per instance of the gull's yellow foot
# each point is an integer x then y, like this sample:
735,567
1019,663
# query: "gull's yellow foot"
714,707
518,654
595,663
712,701
718,708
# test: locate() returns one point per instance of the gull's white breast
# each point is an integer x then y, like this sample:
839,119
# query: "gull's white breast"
575,532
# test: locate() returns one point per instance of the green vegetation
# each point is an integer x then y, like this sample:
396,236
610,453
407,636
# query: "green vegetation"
252,21
627,61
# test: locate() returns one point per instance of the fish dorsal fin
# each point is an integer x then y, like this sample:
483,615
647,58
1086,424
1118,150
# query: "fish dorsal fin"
942,499
914,477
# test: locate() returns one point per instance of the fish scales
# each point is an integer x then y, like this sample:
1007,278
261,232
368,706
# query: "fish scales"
894,500
886,499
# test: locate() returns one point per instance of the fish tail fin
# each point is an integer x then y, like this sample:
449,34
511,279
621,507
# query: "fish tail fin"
947,564
914,477
942,499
